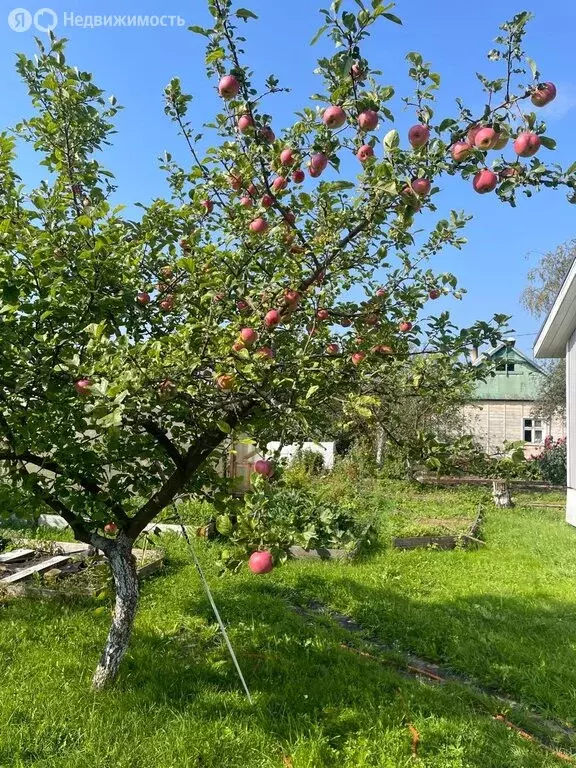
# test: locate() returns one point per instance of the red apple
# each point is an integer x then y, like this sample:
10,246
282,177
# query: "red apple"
143,298
356,72
167,273
543,94
418,135
322,314
421,186
291,296
471,135
345,322
82,386
405,326
318,162
314,173
268,134
372,320
242,306
381,293
333,349
365,153
248,336
334,117
298,176
435,294
368,120
252,190
246,201
228,87
485,181
238,346
261,562
235,182
267,201
245,123
208,205
508,173
226,382
527,144
279,183
289,217
460,151
167,304
259,226
266,353
357,357
110,528
271,318
382,349
264,467
485,138
287,156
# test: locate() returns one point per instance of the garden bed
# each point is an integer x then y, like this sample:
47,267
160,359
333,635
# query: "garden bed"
441,533
53,568
518,485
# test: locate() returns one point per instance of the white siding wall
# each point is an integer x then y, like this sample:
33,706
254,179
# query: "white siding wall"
571,417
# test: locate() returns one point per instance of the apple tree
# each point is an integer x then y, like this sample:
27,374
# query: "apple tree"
266,286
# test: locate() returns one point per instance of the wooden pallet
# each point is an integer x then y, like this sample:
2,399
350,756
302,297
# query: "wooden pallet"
51,554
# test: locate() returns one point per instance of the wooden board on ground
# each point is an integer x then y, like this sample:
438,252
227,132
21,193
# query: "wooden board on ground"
325,553
45,565
16,555
51,554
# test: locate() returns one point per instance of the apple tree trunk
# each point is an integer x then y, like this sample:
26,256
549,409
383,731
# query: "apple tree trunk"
123,565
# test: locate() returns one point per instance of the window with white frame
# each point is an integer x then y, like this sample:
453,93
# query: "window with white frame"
533,431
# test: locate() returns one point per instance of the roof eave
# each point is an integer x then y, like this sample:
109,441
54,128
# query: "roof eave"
561,321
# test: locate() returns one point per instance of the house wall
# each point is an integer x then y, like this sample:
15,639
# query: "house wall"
493,422
571,416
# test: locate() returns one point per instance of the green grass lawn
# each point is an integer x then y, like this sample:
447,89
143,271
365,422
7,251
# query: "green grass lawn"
504,615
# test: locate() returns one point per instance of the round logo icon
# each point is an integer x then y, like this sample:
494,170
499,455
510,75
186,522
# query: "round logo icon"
45,20
20,20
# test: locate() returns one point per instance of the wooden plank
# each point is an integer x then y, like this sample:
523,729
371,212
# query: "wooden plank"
321,553
415,542
52,562
15,555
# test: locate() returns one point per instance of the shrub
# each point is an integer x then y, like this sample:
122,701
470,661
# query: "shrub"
551,462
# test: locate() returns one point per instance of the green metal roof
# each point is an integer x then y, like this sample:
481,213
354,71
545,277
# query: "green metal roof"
522,383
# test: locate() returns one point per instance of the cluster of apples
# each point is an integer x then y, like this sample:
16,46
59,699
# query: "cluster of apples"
485,137
166,297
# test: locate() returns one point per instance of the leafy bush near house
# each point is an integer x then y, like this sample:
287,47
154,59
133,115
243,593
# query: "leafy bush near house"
551,462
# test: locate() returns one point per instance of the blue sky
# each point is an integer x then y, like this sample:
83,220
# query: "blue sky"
135,65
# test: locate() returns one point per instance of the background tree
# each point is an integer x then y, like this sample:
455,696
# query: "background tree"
544,283
130,348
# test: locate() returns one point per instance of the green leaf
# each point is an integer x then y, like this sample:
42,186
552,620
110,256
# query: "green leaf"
215,55
391,140
548,142
336,186
391,17
84,221
319,34
533,67
314,388
199,31
571,169
223,426
244,13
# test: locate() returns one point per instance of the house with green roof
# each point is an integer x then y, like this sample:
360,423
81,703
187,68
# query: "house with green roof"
502,408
